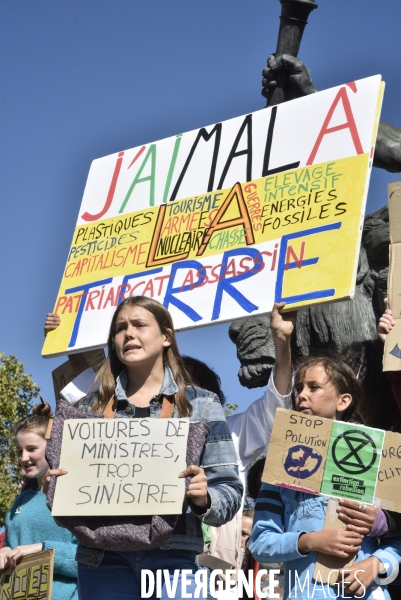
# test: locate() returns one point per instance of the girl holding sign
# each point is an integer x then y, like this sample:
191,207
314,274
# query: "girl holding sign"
30,526
288,524
144,376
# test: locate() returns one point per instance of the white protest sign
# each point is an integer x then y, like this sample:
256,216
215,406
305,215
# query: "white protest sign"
268,207
122,467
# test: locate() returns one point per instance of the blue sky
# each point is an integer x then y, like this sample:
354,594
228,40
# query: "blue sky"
86,78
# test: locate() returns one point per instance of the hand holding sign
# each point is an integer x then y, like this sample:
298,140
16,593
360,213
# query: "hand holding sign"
197,489
386,322
282,324
13,557
336,542
3,557
52,473
360,576
356,519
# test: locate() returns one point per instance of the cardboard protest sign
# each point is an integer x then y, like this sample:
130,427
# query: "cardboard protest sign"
71,368
32,579
297,451
392,345
389,477
122,466
333,458
267,207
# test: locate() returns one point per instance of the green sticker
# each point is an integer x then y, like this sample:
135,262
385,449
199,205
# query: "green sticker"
352,462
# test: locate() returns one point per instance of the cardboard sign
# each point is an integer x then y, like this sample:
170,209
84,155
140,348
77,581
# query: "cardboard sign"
328,565
267,207
70,369
389,477
32,579
392,345
333,458
122,466
297,451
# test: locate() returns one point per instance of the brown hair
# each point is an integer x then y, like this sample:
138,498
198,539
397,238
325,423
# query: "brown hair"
340,375
37,421
249,513
112,366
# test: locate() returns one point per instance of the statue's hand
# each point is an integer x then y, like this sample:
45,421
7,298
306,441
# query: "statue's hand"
298,81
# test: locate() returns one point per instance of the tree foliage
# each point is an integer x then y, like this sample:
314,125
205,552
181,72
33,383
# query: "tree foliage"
16,393
229,409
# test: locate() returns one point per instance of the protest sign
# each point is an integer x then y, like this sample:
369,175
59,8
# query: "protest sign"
389,476
392,345
122,466
71,368
297,450
267,207
333,458
31,580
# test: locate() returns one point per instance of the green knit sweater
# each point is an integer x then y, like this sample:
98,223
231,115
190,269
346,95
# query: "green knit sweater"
30,522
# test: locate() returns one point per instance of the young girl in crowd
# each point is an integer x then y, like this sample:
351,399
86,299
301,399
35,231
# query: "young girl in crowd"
289,524
30,526
143,367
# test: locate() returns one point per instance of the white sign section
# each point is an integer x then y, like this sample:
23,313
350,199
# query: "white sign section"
122,467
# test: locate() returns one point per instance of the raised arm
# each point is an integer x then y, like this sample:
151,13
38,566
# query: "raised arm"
282,326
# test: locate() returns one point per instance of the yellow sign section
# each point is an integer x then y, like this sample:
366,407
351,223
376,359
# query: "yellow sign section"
304,227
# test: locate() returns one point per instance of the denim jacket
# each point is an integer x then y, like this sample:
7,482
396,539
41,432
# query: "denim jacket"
218,459
281,516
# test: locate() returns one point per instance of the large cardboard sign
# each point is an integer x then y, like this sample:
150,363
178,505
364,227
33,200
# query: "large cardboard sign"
122,466
32,579
392,345
221,222
333,458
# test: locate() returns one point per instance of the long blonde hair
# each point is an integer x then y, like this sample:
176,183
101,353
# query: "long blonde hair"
112,366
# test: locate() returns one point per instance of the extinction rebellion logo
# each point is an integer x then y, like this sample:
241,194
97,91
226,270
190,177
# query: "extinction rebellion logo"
354,452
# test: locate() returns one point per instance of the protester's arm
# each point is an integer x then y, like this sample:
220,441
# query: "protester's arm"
282,326
251,430
364,572
64,556
268,543
78,360
370,521
219,465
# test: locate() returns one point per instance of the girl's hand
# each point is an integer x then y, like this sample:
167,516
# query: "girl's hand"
386,322
14,556
282,324
3,556
197,489
360,576
339,542
356,519
52,322
51,473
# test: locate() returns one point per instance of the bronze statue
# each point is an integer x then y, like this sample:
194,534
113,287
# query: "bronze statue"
348,327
